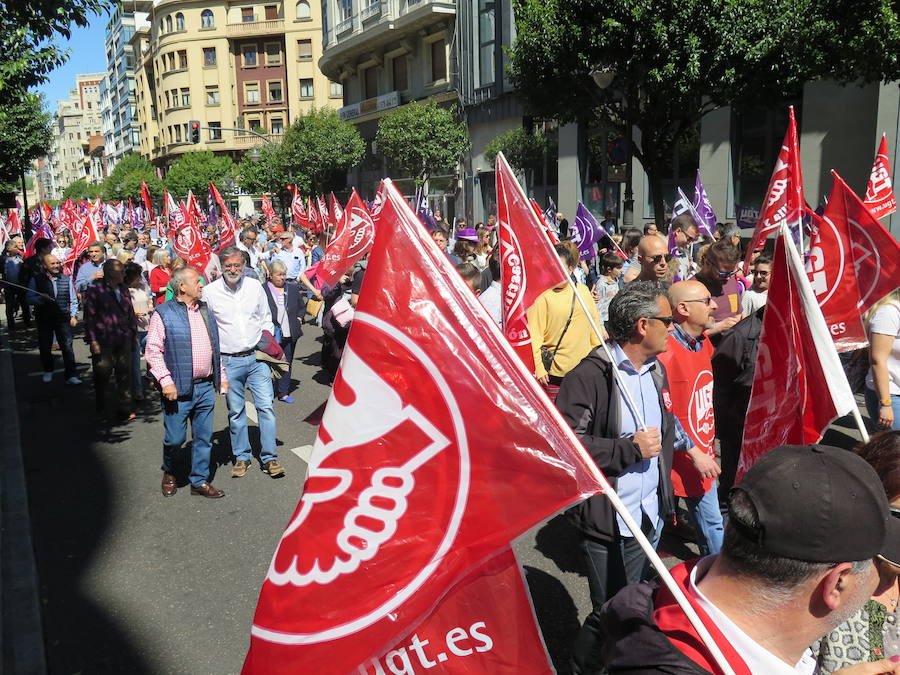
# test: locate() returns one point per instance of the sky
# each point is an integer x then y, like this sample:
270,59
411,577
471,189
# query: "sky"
87,56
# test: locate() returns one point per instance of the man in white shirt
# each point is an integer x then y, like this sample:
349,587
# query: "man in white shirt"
805,528
490,296
242,313
756,296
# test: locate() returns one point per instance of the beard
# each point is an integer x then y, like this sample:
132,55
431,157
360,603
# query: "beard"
232,277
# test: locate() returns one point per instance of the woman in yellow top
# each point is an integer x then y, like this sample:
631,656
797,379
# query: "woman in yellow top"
568,340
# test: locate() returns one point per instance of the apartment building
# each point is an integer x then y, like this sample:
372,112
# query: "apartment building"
76,121
121,134
230,65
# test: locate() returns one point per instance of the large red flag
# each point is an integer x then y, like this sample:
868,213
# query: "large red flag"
832,274
190,243
298,213
315,221
228,229
485,624
880,198
84,231
145,195
436,449
267,209
784,198
336,211
352,240
799,386
323,211
876,254
529,265
15,223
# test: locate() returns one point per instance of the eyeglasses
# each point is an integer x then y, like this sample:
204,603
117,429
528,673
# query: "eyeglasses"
666,320
725,275
762,273
656,259
705,300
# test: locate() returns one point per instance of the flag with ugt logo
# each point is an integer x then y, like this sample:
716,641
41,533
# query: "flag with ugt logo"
880,198
436,449
352,239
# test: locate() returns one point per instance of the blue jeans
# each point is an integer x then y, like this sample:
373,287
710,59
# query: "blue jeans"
199,409
872,407
284,382
707,519
137,377
63,332
246,372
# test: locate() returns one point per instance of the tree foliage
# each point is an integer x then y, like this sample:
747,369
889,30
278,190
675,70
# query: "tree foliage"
81,189
523,150
674,62
422,138
195,170
25,135
27,31
317,151
124,181
265,173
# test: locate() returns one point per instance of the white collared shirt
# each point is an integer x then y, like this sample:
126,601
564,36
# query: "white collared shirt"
757,658
241,314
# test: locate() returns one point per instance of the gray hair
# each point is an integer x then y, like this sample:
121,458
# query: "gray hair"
636,301
277,266
179,276
730,230
230,252
246,231
159,256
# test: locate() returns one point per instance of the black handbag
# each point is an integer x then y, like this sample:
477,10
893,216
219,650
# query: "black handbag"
548,356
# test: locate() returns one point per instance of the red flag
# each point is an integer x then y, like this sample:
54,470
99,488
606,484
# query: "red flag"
551,234
352,240
485,624
528,263
15,223
337,213
880,190
876,254
323,211
832,274
145,195
84,231
298,213
432,435
267,209
190,243
784,198
41,232
228,228
799,386
315,221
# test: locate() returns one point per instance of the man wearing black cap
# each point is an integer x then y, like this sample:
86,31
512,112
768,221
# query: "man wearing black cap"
804,527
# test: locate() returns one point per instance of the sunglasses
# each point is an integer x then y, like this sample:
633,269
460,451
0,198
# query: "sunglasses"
666,320
725,275
656,259
705,300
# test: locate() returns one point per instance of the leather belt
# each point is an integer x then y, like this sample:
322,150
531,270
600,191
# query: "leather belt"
198,380
245,353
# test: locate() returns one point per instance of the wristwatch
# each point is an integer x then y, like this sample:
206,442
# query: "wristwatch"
885,402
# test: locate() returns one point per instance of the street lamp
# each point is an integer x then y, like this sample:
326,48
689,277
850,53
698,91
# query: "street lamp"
603,77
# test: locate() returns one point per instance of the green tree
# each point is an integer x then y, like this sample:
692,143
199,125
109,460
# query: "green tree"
124,181
27,31
667,64
524,150
421,138
317,151
25,135
195,170
263,173
81,189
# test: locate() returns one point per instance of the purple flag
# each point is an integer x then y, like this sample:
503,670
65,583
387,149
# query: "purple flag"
213,217
746,217
423,211
706,217
586,232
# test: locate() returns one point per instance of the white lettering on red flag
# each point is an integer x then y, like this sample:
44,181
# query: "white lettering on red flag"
880,198
352,240
432,435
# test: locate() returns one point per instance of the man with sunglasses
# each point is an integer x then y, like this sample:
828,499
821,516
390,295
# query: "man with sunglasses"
653,257
717,272
686,235
755,297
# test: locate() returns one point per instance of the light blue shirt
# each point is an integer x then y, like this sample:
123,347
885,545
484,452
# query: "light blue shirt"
86,275
637,486
294,260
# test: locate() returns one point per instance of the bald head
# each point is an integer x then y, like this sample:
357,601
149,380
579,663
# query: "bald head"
51,263
692,307
653,255
652,244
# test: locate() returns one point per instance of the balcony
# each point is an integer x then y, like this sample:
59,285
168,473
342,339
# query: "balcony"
249,29
244,141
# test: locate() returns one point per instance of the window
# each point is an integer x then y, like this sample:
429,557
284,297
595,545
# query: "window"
206,19
168,104
370,82
486,34
209,56
336,90
182,59
438,60
247,15
178,133
304,50
169,24
215,132
277,125
271,12
345,10
179,21
303,10
306,88
249,52
274,91
273,53
255,124
89,105
398,73
161,26
185,97
251,92
212,95
171,56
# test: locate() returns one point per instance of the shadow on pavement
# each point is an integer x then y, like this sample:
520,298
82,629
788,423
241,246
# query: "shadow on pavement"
557,616
559,541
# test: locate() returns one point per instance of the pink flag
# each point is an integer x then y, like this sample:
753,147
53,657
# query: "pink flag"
880,190
529,265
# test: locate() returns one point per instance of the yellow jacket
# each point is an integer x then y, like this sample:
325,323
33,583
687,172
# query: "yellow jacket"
546,319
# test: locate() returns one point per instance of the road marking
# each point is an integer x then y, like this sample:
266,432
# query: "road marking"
304,452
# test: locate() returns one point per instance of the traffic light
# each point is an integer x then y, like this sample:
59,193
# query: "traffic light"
194,126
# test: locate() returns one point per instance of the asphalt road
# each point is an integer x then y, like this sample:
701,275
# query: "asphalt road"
132,582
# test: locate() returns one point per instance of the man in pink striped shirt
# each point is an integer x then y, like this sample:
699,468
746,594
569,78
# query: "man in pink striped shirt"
183,354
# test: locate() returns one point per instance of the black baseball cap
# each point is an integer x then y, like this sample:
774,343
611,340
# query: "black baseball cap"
820,504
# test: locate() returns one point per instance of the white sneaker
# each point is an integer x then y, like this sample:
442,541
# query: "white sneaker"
73,380
47,377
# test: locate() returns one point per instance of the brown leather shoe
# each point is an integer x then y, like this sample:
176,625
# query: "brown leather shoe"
207,490
169,487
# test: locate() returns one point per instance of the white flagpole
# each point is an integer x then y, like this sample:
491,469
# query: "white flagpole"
835,377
